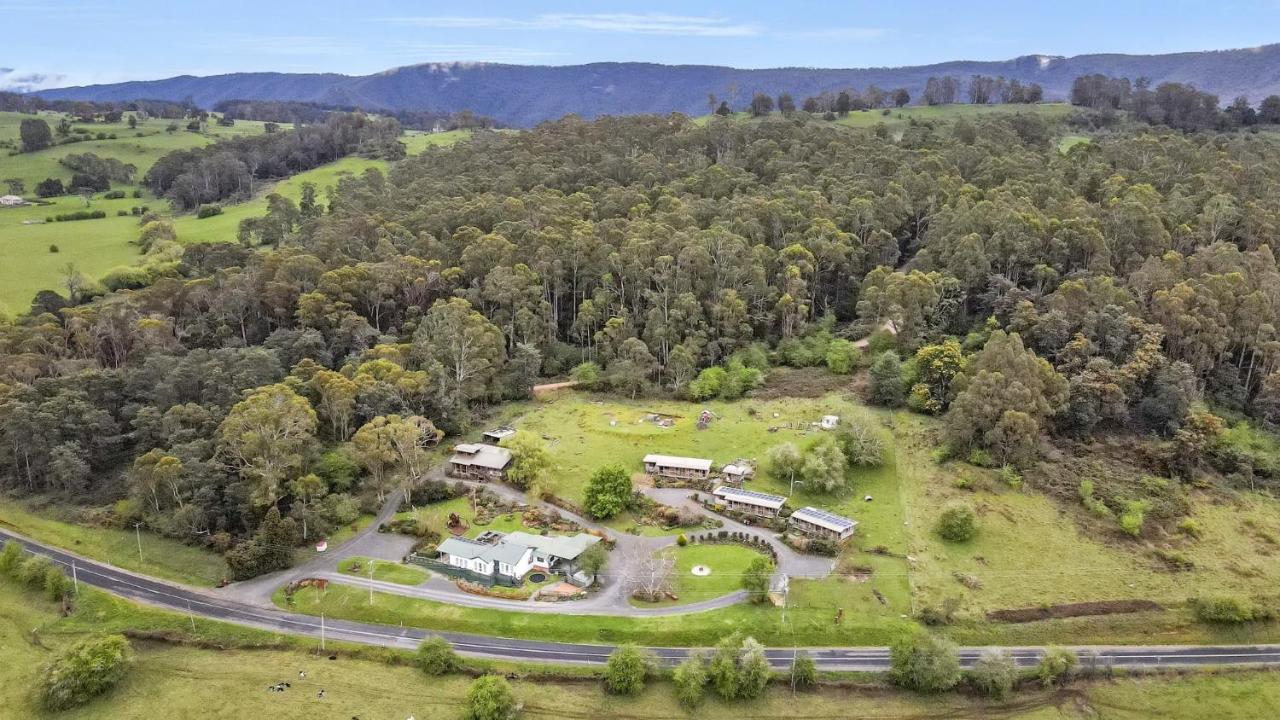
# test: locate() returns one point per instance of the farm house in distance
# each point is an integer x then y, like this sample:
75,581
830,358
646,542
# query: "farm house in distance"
750,502
479,461
677,468
821,524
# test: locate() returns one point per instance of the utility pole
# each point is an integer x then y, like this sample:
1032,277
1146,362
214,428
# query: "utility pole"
137,531
321,632
794,483
191,616
75,578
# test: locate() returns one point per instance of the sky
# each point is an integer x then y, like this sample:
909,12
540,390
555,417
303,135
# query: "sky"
52,43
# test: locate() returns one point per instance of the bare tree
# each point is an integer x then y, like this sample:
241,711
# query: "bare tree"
650,576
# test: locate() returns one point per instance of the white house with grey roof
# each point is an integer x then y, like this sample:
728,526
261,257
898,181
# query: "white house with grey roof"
820,523
481,461
680,468
750,502
510,559
515,554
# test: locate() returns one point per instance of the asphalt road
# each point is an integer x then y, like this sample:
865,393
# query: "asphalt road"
180,599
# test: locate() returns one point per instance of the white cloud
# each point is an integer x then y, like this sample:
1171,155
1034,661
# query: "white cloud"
633,23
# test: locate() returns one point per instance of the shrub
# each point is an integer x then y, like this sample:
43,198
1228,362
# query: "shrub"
1190,528
886,387
722,672
436,657
490,698
756,580
1057,666
114,195
80,215
1227,609
627,669
690,679
753,671
53,248
1134,517
56,584
958,523
1011,477
681,540
83,671
1094,505
11,558
33,570
122,213
993,674
924,663
804,673
607,492
843,357
207,211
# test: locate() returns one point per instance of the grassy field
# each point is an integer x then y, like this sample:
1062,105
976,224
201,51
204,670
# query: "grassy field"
179,681
727,564
161,557
94,247
383,570
1073,559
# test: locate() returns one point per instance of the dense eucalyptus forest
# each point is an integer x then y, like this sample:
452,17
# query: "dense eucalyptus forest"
1126,285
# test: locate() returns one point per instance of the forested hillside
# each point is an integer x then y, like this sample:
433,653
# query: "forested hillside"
1034,295
522,96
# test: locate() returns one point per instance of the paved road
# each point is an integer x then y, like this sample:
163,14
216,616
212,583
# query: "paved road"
182,599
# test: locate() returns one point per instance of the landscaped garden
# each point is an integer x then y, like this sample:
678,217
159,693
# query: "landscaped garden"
706,572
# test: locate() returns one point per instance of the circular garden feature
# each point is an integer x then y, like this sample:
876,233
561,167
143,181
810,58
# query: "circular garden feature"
537,577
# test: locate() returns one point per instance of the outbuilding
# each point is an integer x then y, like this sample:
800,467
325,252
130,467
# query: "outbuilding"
679,468
821,524
479,461
750,502
498,434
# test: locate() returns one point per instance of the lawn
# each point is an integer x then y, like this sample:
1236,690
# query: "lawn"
161,556
384,570
180,681
727,563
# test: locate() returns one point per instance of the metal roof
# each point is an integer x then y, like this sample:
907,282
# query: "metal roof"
565,547
504,552
684,463
737,469
486,456
750,497
822,518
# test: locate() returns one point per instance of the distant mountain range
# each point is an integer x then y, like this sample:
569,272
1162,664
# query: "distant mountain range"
523,95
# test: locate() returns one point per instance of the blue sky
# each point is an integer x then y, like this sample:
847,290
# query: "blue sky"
60,42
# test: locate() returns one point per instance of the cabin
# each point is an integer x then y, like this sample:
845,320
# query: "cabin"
479,461
737,472
497,435
750,502
829,422
677,468
821,524
554,553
